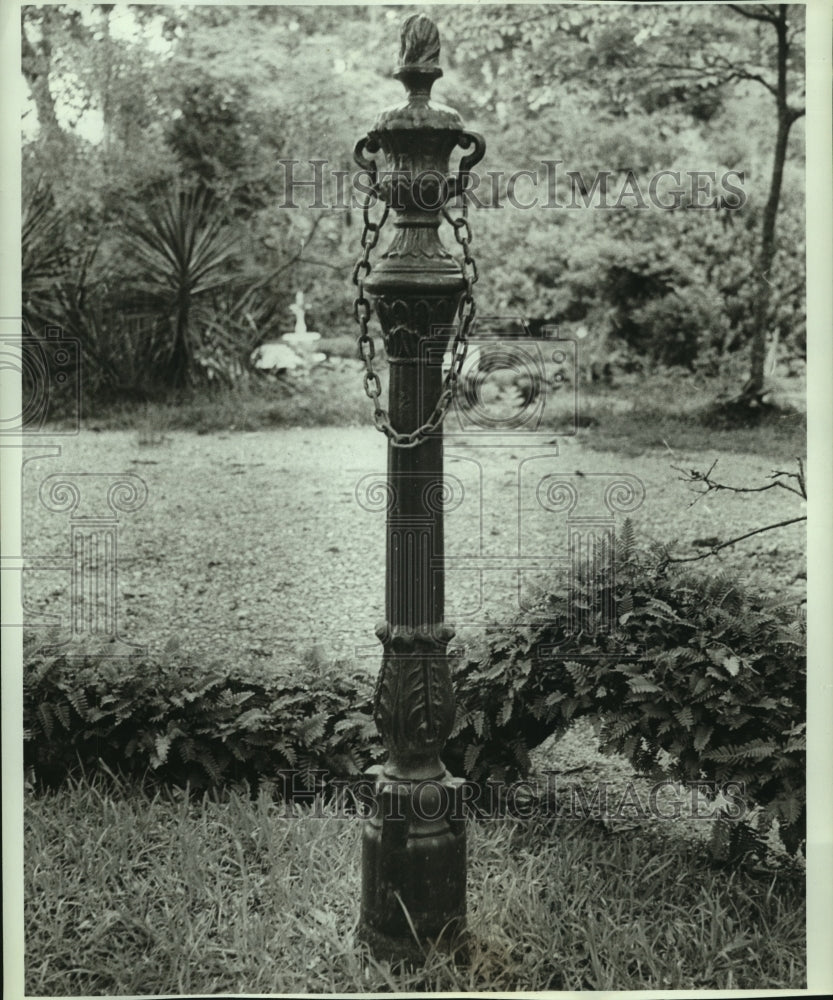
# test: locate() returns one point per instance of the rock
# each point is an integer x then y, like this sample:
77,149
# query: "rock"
277,356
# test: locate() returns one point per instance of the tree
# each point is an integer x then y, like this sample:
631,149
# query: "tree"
644,70
39,24
178,107
100,97
628,89
782,24
773,59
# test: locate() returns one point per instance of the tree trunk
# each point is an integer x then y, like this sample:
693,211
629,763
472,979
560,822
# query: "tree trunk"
181,361
760,318
754,389
35,64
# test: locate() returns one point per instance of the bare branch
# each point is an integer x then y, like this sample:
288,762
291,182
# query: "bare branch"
723,71
753,15
704,478
734,72
798,476
732,541
742,74
694,72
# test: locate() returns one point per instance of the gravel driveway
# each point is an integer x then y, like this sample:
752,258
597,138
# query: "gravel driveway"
255,547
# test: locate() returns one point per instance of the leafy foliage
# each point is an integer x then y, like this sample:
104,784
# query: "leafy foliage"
695,679
632,91
182,254
169,722
694,674
45,251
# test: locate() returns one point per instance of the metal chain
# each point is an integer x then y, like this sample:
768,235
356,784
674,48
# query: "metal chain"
367,350
361,305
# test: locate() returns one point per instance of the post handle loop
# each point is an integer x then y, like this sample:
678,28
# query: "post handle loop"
465,139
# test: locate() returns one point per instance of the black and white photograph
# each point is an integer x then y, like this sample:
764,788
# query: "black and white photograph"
416,447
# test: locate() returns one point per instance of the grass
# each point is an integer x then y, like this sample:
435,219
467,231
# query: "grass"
128,893
677,413
329,395
639,413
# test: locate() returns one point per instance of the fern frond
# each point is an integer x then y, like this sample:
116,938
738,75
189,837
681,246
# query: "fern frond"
470,756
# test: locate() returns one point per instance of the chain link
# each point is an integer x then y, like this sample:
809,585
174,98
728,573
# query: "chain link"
466,311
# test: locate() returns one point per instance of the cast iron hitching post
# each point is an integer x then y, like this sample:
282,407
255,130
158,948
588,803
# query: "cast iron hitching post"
414,850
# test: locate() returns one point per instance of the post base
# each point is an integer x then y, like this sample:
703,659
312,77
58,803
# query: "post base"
413,870
405,955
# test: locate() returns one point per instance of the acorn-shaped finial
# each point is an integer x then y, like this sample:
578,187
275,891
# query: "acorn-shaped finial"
419,51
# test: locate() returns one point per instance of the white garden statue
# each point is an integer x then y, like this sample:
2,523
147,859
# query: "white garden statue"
298,309
300,336
293,351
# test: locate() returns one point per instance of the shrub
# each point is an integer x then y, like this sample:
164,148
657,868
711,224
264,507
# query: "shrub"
46,251
678,328
181,251
695,677
171,722
695,673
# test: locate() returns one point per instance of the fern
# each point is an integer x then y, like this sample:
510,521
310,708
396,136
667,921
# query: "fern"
165,723
77,697
702,735
46,717
505,713
619,729
313,729
162,744
61,710
626,543
696,667
685,717
206,760
643,686
470,757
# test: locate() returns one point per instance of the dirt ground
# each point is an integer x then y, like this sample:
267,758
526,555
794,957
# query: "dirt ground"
256,547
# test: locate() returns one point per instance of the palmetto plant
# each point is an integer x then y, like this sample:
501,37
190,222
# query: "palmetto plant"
239,320
182,252
45,254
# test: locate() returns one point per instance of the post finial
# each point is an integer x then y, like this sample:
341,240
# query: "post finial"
419,50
